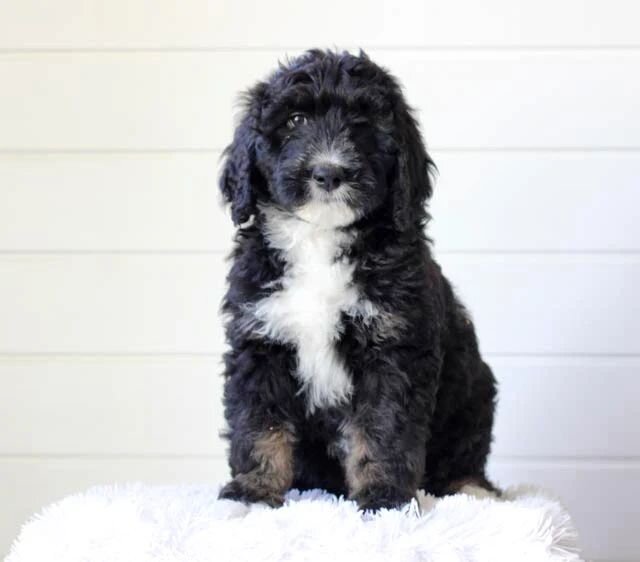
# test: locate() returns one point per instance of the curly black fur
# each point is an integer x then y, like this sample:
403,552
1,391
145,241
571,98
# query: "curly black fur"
413,405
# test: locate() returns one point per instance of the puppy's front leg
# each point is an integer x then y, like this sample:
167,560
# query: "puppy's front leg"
386,438
267,464
261,427
378,474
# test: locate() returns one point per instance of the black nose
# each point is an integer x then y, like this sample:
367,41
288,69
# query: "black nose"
327,176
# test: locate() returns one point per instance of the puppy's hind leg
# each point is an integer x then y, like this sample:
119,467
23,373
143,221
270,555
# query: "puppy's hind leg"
478,486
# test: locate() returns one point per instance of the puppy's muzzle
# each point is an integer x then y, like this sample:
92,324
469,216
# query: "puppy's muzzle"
328,176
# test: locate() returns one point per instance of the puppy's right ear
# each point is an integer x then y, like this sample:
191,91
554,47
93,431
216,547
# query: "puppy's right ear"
239,173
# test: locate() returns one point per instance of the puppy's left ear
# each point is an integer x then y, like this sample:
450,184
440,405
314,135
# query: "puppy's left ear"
411,185
240,176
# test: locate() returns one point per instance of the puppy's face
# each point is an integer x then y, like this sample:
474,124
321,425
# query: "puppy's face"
326,148
327,138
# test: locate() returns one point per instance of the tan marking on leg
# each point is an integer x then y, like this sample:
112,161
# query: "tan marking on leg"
360,468
273,475
471,486
455,486
274,453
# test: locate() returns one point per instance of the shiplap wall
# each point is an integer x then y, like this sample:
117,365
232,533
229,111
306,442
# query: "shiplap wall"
112,117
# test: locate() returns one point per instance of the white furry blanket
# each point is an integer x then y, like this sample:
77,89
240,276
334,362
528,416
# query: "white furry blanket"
137,523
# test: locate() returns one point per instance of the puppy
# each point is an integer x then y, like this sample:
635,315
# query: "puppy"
352,365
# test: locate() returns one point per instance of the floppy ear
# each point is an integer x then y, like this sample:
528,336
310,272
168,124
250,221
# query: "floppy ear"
411,186
239,173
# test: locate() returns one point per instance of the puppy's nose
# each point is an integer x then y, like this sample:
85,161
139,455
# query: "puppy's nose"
327,176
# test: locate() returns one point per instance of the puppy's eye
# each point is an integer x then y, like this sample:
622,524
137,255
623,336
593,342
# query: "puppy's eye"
296,119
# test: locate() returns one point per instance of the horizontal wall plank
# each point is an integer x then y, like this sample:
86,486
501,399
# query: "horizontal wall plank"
111,406
184,100
601,498
550,303
173,406
108,202
589,490
26,486
169,303
206,23
147,303
553,406
536,202
483,201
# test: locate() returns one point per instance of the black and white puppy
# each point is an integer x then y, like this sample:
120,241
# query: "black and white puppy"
352,365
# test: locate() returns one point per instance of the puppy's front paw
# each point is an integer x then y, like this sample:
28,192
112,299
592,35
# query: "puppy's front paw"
379,496
247,490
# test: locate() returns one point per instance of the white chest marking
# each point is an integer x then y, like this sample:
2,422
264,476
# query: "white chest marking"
306,310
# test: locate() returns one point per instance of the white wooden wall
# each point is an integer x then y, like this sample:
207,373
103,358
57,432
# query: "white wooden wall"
112,117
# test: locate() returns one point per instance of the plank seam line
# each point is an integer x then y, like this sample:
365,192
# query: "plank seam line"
16,355
615,461
541,253
549,48
79,151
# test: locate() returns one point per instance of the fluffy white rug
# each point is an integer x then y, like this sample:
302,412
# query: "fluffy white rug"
137,523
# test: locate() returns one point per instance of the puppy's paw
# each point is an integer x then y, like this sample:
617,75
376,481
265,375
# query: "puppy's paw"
244,489
382,496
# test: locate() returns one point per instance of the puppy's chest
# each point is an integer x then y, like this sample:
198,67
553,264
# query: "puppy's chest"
316,288
308,306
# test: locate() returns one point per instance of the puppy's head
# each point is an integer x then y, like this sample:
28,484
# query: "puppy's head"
329,138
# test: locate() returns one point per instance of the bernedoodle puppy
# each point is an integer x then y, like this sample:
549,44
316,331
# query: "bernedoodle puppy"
352,365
